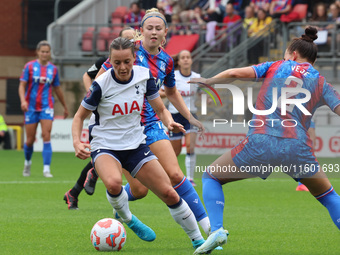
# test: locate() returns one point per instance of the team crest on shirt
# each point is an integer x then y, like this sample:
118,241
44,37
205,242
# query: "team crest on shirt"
137,87
89,92
162,66
49,72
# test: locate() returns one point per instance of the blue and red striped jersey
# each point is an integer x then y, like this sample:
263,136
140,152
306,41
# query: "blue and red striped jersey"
40,80
281,74
162,69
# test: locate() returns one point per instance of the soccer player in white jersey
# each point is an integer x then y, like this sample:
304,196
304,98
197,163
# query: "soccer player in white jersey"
188,92
117,140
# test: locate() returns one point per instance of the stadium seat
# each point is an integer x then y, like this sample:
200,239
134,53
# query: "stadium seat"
116,24
112,36
87,39
103,36
298,13
181,42
120,12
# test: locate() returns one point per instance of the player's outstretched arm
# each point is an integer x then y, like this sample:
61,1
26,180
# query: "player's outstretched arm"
87,81
61,98
81,149
165,116
176,99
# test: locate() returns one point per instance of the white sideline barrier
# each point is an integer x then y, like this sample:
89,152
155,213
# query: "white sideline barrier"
216,140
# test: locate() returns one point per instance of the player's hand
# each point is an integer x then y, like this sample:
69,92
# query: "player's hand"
65,112
24,106
198,80
82,150
197,123
176,127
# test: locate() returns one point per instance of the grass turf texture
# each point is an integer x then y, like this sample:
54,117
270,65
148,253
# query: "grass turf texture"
263,217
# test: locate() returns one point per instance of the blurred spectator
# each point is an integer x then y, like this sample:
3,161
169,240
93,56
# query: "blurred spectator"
239,6
147,4
319,12
175,28
170,6
216,10
249,17
167,16
260,23
279,7
4,134
334,12
135,15
196,20
260,4
298,12
231,16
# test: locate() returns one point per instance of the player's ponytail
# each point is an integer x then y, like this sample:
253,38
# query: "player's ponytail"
305,45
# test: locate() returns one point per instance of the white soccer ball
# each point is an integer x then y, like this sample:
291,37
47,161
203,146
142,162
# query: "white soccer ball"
108,235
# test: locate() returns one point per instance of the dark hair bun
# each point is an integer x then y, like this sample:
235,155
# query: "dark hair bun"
310,34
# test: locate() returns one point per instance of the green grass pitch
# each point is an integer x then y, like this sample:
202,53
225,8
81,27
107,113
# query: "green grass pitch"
263,217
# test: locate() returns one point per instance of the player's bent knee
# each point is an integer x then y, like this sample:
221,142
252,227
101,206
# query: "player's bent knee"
176,177
114,186
139,192
169,196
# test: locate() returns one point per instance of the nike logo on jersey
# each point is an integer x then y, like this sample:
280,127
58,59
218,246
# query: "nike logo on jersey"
146,153
110,96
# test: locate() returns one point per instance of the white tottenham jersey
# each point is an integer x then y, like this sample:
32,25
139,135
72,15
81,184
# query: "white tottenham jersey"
117,107
187,91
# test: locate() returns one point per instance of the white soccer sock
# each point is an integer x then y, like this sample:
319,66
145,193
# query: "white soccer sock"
190,163
47,169
28,162
121,205
185,217
205,224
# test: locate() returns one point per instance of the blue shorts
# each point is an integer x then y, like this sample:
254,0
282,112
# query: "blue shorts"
131,160
181,120
261,154
155,132
32,117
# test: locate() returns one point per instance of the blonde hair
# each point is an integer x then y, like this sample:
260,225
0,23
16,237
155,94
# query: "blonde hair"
153,12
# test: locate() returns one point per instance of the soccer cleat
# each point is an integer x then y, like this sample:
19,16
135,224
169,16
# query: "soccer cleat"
117,217
141,230
301,187
27,171
197,243
71,201
215,239
90,182
48,175
192,183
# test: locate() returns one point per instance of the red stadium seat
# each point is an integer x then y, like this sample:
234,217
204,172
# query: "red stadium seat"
111,37
181,42
87,39
298,13
103,36
116,24
120,12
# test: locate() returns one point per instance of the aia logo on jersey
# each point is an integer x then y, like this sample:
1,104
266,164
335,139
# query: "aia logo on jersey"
125,108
